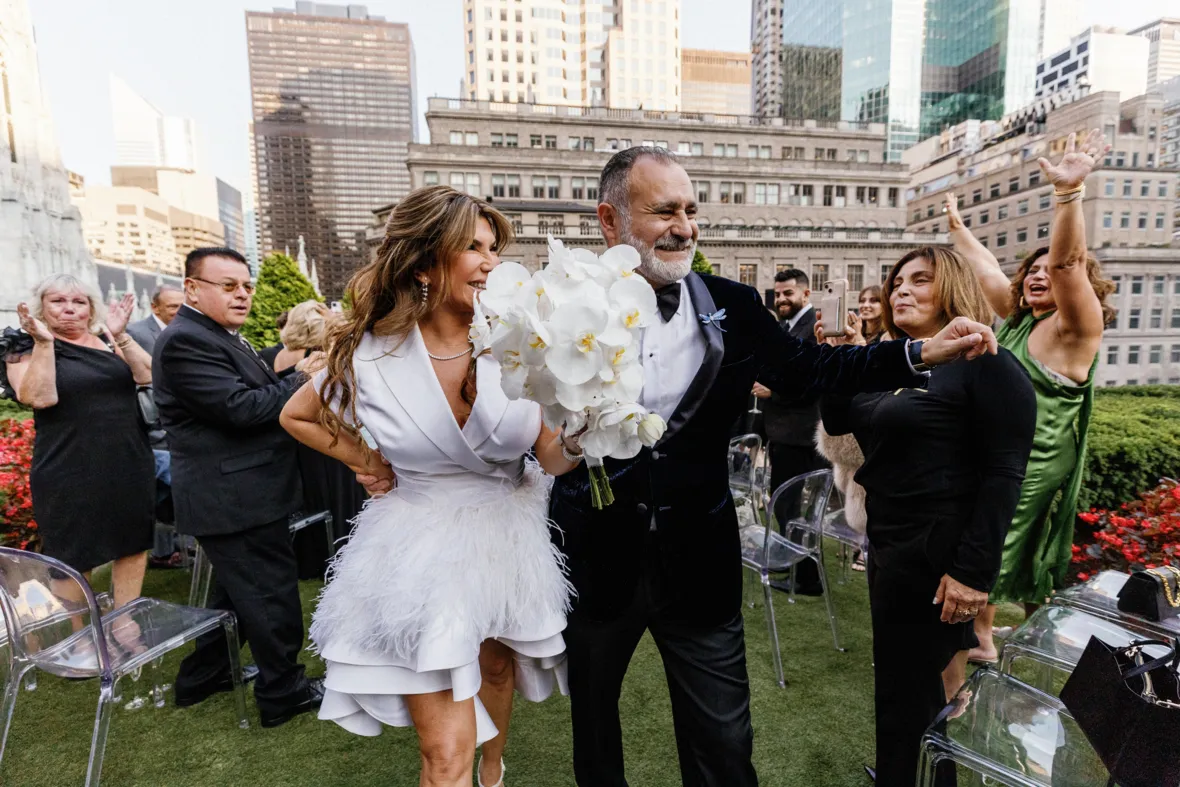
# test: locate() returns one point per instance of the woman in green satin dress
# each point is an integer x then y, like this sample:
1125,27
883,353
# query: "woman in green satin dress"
1054,312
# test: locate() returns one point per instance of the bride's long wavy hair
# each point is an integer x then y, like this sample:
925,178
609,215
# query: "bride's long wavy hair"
426,230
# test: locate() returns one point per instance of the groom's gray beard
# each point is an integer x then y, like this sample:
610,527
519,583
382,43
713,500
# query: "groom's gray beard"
651,267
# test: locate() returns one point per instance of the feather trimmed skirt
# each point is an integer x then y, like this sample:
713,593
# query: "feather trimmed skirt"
422,582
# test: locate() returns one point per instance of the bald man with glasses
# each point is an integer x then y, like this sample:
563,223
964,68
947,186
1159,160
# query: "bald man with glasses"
235,482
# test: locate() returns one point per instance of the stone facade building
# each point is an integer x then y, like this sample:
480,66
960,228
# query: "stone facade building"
1128,207
40,229
771,194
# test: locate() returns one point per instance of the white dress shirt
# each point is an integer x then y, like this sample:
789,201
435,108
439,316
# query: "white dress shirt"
672,353
160,323
791,323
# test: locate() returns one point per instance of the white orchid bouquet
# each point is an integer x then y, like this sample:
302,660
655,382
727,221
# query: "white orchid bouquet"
567,338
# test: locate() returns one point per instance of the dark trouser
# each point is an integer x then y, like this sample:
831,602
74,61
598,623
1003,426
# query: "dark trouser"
911,648
786,462
706,671
253,577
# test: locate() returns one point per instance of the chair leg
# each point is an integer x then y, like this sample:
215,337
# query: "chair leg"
329,534
230,625
791,595
98,743
194,586
11,690
31,680
157,684
774,643
823,581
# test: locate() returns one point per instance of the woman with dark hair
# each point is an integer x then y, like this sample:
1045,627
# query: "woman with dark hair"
449,593
1054,312
942,471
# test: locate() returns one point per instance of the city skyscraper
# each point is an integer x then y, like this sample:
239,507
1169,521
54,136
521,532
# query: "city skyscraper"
333,106
717,82
766,69
1163,58
145,136
616,54
915,65
40,229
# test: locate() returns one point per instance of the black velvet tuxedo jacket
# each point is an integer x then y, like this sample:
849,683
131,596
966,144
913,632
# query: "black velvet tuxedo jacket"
233,467
683,481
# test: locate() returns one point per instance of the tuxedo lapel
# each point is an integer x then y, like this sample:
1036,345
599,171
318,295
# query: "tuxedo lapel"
702,303
407,373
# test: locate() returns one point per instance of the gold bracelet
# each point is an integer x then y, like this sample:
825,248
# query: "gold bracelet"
1067,192
1073,197
123,343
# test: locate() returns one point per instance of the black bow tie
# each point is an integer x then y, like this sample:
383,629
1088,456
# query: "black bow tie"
668,300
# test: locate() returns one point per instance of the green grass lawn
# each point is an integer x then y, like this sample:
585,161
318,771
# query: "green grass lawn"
815,733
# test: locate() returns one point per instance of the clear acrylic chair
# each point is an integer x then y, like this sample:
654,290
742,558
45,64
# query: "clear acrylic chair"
105,605
202,578
54,624
1009,733
1100,597
744,455
798,507
836,527
1054,637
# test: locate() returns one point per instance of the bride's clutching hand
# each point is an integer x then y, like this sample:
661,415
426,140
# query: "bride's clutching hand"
377,477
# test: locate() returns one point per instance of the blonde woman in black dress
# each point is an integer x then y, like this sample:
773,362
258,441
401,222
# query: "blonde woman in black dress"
93,475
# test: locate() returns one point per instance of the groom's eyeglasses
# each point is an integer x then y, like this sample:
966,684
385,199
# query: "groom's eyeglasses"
229,287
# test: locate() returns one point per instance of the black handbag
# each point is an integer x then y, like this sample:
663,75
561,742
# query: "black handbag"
1128,706
1153,594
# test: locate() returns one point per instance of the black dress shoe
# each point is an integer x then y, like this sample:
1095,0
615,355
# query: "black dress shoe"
814,589
307,699
189,697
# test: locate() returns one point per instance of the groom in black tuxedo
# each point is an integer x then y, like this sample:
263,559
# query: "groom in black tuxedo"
665,556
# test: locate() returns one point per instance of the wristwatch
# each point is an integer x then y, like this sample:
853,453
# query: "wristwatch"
914,355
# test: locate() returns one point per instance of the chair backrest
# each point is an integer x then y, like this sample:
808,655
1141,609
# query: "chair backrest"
47,606
798,506
743,453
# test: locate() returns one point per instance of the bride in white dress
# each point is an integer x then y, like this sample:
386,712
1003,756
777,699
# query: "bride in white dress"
449,594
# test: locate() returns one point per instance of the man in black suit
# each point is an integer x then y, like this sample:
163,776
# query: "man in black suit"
235,481
166,301
665,556
790,421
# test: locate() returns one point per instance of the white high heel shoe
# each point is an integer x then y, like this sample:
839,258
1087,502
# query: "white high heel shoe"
479,781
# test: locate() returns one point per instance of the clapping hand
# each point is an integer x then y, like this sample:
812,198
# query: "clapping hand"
119,314
1077,163
32,326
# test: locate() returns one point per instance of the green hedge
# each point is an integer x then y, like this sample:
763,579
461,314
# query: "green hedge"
1134,441
11,409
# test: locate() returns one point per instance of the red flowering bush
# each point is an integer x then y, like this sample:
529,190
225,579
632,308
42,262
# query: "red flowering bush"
17,527
1142,534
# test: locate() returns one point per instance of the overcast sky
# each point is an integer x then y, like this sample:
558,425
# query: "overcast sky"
188,57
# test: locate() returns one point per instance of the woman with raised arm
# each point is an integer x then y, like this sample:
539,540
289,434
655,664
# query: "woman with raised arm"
1054,312
450,594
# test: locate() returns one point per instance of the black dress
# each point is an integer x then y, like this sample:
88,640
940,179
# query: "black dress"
93,476
943,468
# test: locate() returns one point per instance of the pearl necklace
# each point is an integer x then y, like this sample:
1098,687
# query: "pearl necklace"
450,357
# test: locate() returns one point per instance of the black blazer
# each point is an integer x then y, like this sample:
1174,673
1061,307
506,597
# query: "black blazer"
684,479
233,467
791,420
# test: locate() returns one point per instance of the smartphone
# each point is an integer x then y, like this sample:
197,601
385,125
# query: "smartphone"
834,301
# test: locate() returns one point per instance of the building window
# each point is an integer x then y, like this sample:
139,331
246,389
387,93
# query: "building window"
1157,319
592,188
1175,353
510,141
1159,221
471,138
983,217
856,278
1042,231
538,187
1127,186
748,274
550,142
1001,213
819,276
885,269
1112,355
1155,354
430,178
1043,202
1120,159
1175,323
473,184
894,193
994,192
1001,239
1163,192
456,137
498,186
1133,321
702,191
1141,222
1013,185
577,188
458,182
1125,220
1145,188
497,140
1034,179
739,193
514,186
553,187
1108,187
534,140
1157,285
1021,234
1136,285
976,196
1133,354
725,192
1107,220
